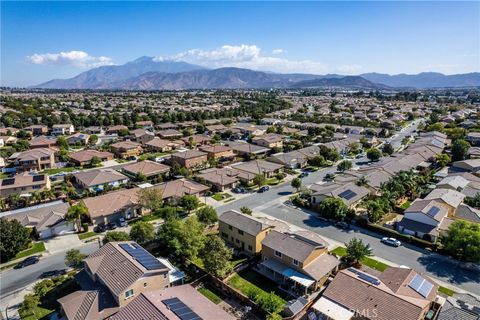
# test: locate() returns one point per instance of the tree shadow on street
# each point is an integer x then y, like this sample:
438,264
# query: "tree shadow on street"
445,267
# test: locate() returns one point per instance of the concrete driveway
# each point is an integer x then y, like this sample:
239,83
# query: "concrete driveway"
62,243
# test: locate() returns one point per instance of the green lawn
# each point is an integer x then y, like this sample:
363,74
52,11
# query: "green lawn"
86,235
58,170
247,280
221,196
239,260
38,313
212,294
152,155
369,262
273,181
446,291
37,247
405,205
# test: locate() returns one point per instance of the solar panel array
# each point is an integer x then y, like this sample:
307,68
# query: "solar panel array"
347,194
180,309
38,178
433,211
142,256
365,277
421,285
8,182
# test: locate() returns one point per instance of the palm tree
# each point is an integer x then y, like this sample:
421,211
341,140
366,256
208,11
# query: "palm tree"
362,182
357,250
75,214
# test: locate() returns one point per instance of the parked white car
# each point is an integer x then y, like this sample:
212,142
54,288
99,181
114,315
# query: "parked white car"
391,242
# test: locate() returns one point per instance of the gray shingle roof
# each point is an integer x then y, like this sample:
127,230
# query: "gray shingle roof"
247,224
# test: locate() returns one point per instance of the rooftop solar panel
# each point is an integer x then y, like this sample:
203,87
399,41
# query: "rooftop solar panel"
365,277
38,178
347,194
433,211
416,282
8,182
425,288
143,257
180,309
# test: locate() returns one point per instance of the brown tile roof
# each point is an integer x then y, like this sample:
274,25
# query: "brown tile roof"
215,149
23,180
146,167
112,202
258,166
189,154
180,187
98,177
247,224
222,177
33,154
39,216
87,155
150,305
126,145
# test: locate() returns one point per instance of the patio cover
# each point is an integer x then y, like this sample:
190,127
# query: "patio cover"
332,310
296,276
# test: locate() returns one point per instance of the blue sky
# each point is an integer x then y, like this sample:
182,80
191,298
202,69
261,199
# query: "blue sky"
45,40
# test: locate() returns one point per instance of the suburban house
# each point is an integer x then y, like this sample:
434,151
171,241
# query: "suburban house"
451,198
254,167
425,219
243,232
95,130
300,263
33,160
269,140
290,160
42,142
98,180
62,129
147,168
141,135
349,193
84,157
112,277
162,145
116,129
218,152
24,184
220,179
189,159
248,150
146,124
473,138
197,139
78,139
457,183
462,306
174,303
47,220
175,189
37,129
169,134
126,149
397,293
112,206
471,165
7,140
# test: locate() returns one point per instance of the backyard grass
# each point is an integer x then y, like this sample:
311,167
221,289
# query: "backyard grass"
405,205
85,235
221,196
38,313
247,280
37,247
212,294
446,291
151,156
58,170
369,262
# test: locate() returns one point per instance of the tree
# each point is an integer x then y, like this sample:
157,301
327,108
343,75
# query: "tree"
207,215
74,258
13,238
296,183
140,177
142,232
317,161
442,159
246,210
373,154
357,250
344,165
189,202
462,241
333,208
150,198
93,139
62,142
115,236
75,215
460,150
216,257
41,288
259,180
184,238
29,304
270,302
95,161
388,149
473,202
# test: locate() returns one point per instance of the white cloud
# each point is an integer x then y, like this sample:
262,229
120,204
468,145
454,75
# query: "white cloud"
350,68
244,56
277,51
76,58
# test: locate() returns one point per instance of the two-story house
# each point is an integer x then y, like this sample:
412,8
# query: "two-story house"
218,152
62,129
37,129
299,262
24,184
126,149
113,276
269,140
243,232
33,160
189,159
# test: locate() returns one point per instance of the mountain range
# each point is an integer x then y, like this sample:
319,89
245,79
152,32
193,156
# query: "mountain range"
147,73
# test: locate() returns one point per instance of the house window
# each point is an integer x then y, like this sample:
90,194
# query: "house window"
230,227
129,294
240,232
238,241
224,235
295,262
250,248
278,254
145,284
